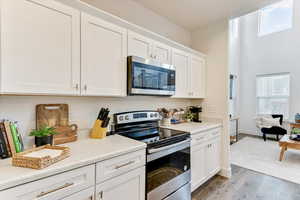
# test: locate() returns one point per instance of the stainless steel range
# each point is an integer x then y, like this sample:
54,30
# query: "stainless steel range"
168,172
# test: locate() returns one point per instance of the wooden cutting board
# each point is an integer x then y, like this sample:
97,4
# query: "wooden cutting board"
56,115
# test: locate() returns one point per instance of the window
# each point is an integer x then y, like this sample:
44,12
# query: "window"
275,18
272,93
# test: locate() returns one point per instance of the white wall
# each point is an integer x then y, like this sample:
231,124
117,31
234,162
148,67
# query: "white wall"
234,63
278,52
83,110
144,17
213,41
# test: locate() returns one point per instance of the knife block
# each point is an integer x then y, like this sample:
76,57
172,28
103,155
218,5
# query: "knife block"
97,131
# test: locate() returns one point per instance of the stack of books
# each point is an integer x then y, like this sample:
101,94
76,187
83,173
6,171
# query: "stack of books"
10,139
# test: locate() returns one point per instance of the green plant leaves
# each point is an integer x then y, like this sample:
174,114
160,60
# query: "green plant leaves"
43,132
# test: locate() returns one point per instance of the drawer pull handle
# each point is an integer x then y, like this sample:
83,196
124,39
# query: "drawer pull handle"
215,133
124,165
54,190
201,138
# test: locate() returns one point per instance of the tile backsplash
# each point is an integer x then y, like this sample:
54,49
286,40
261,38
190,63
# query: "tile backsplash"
82,110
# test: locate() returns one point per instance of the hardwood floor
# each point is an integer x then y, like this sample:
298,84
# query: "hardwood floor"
247,185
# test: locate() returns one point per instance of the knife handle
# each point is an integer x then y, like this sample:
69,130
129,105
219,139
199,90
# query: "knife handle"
105,123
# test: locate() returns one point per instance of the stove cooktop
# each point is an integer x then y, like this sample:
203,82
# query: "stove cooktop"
143,126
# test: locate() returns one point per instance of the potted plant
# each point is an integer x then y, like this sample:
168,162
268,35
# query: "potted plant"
43,135
189,116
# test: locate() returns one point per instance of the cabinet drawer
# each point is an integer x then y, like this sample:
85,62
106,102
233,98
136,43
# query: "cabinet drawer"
54,187
87,194
119,165
204,136
200,138
214,133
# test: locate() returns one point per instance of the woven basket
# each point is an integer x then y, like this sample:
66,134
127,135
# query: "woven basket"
19,160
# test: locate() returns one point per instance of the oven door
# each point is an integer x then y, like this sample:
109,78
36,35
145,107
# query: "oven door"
148,77
168,171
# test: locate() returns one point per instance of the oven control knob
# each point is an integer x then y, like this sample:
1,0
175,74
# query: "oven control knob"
121,118
155,115
151,115
126,117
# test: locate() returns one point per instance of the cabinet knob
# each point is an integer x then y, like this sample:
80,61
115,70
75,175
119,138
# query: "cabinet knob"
85,87
77,86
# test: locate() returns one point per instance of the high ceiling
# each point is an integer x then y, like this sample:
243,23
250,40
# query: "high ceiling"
193,14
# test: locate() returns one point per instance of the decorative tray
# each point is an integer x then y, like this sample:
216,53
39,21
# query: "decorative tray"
40,157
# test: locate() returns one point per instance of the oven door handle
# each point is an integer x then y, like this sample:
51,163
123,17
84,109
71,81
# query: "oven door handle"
155,150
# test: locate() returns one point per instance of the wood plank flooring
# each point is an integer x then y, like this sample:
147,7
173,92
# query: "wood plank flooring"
247,185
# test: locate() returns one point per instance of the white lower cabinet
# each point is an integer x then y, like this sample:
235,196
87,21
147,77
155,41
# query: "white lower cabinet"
121,177
54,187
87,194
213,157
129,186
205,156
197,163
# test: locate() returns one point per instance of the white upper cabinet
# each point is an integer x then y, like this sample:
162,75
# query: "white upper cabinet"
103,61
40,48
162,53
144,47
50,48
190,75
197,77
181,62
139,45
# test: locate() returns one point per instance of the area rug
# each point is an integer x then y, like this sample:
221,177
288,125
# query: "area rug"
260,156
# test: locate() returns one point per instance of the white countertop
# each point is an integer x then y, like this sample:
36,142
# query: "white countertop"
83,152
193,127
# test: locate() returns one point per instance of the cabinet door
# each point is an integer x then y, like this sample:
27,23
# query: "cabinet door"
181,62
197,77
40,47
198,168
162,53
213,157
87,194
130,186
103,57
139,45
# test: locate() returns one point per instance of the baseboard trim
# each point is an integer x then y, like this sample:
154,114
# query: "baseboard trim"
225,172
249,132
196,186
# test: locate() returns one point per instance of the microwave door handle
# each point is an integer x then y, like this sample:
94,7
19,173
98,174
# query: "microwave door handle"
155,150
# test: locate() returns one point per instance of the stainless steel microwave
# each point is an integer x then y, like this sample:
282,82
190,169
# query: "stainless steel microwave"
149,77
